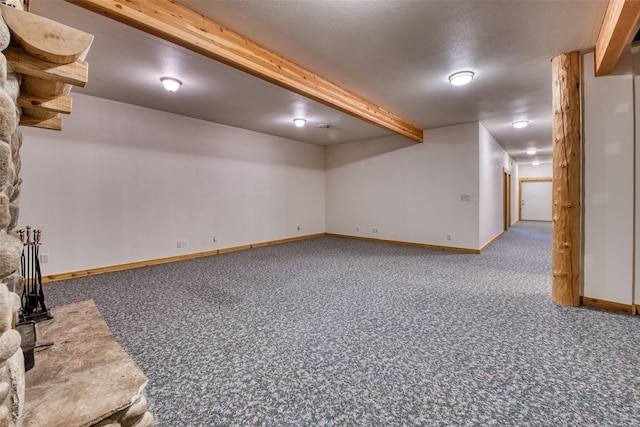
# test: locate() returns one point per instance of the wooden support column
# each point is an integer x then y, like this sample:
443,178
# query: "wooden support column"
567,173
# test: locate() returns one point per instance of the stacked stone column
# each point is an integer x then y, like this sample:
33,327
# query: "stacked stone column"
12,371
135,415
11,358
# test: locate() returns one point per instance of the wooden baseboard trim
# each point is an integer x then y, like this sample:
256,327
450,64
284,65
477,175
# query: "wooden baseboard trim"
234,249
288,240
139,264
402,243
127,266
609,305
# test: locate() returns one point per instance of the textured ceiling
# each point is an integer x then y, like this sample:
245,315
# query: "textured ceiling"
397,54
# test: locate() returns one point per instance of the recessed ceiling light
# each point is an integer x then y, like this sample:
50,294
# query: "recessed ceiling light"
531,151
171,84
520,124
535,162
461,78
299,122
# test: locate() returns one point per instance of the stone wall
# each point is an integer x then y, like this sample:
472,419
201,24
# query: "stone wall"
11,359
13,407
135,415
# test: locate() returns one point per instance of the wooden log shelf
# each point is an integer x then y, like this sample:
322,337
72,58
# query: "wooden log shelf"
50,56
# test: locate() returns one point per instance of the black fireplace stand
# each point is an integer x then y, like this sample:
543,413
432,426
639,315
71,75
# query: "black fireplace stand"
33,306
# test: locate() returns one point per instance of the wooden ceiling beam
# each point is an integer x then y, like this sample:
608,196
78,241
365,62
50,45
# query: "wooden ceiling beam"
620,21
180,25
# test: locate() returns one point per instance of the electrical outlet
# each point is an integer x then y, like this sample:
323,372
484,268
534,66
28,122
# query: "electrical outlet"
44,258
448,236
215,238
179,244
298,228
375,230
184,244
357,228
465,198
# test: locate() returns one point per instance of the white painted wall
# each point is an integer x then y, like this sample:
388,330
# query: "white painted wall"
608,184
543,170
123,183
410,192
492,162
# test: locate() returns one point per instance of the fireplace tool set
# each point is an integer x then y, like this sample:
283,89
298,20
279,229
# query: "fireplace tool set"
33,308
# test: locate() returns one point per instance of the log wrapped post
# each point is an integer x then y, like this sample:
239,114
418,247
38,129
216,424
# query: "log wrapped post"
567,174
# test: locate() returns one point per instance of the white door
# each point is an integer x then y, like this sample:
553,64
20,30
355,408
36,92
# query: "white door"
536,201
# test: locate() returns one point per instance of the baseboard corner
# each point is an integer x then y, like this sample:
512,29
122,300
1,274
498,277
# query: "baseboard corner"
609,305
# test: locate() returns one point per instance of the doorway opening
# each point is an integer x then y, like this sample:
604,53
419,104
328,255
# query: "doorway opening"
536,199
506,198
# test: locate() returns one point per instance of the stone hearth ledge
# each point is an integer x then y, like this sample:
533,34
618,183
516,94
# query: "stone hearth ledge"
85,378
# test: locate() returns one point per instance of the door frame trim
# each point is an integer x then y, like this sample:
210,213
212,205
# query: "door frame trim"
507,192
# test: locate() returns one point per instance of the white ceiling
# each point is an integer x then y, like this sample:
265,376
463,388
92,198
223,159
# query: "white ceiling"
397,54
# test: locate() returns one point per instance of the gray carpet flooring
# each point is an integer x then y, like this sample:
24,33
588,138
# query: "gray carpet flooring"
338,332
